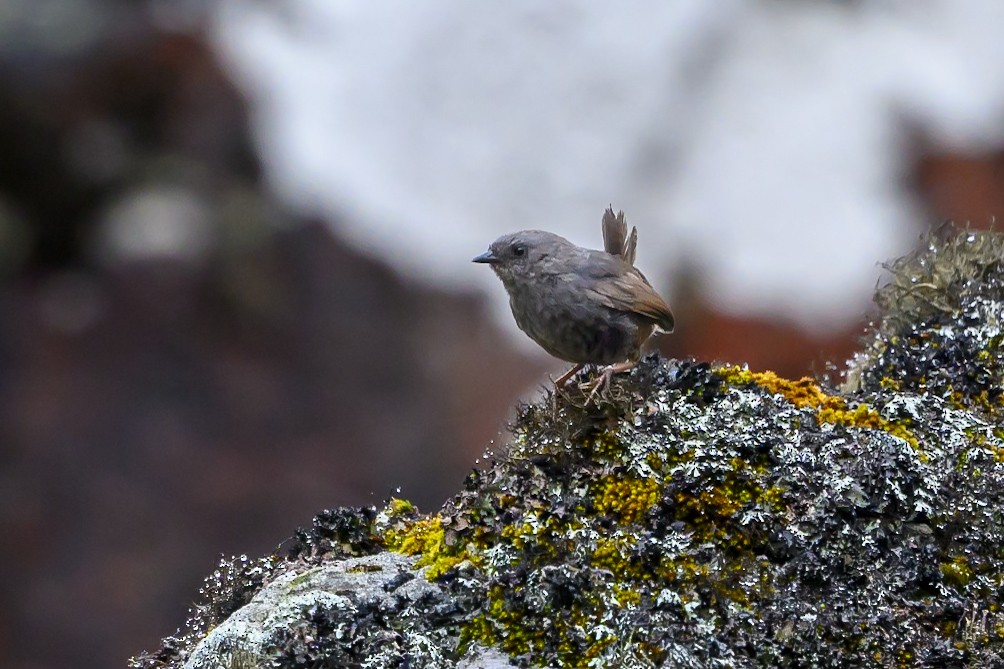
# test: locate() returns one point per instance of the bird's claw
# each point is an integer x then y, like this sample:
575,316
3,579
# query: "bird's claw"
599,385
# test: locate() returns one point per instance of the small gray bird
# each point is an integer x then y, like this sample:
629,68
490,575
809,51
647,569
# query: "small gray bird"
580,305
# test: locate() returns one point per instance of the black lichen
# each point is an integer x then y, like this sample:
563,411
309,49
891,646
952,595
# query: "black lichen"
334,534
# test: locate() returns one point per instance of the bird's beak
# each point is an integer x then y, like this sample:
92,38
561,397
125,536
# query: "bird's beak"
487,257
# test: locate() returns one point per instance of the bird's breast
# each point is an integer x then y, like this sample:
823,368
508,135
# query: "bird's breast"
569,324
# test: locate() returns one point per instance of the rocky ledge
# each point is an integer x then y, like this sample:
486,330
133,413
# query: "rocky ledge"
697,516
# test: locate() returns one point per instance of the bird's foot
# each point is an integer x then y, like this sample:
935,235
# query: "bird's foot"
597,386
601,383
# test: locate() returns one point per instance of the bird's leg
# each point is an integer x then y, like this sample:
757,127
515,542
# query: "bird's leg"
563,379
602,382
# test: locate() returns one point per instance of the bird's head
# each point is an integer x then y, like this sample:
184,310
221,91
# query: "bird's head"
521,254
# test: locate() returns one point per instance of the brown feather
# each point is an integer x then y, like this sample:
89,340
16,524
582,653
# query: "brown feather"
614,232
616,240
631,247
632,293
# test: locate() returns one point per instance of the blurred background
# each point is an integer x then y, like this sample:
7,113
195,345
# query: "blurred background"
235,243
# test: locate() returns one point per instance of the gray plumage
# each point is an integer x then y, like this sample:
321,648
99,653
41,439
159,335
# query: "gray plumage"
580,305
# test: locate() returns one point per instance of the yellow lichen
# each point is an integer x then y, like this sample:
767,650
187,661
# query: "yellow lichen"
803,393
957,572
626,498
426,537
830,409
626,596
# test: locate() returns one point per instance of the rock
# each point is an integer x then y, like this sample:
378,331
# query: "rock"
335,597
698,516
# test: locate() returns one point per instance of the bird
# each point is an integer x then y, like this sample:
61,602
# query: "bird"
581,305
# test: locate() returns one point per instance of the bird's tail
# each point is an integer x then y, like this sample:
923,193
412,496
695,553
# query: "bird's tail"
616,240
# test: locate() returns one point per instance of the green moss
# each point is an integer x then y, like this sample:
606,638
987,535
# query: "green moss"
605,445
684,521
704,517
627,597
613,554
400,507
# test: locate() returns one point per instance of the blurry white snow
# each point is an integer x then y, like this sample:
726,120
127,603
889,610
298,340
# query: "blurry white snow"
759,142
155,222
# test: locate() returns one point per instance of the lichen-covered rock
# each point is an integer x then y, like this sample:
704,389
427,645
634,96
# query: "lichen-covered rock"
378,602
698,516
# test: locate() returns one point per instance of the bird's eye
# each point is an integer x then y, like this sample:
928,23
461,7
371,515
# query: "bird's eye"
519,250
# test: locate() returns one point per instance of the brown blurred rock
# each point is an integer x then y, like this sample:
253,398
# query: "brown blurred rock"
161,409
762,343
177,424
965,189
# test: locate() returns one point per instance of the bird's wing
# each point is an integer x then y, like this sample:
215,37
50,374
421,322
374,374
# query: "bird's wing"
627,291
